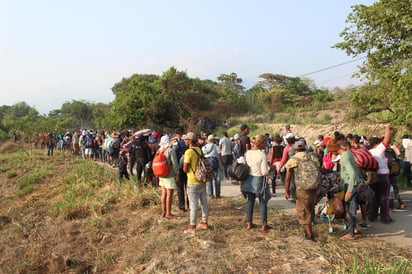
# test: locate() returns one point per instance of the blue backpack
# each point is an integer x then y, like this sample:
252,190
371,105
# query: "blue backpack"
89,142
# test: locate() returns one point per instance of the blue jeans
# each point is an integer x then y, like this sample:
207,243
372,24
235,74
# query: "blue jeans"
351,209
216,181
196,193
251,197
406,168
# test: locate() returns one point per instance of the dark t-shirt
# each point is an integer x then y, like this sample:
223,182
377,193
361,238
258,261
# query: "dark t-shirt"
243,140
278,152
142,151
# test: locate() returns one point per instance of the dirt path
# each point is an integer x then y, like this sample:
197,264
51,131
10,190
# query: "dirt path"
399,232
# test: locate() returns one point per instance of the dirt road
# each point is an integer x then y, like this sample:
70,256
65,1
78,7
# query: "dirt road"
399,232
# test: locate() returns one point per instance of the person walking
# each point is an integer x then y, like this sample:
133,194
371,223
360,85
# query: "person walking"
256,185
196,190
382,187
168,182
180,147
225,145
305,196
122,164
211,152
349,175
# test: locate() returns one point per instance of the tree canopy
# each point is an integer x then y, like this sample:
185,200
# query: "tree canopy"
383,33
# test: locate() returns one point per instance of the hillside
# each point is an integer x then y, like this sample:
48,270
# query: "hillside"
310,124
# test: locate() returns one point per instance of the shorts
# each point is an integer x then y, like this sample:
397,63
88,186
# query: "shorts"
305,206
227,160
167,182
88,151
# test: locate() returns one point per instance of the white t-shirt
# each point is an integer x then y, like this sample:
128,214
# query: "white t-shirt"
226,146
257,162
379,154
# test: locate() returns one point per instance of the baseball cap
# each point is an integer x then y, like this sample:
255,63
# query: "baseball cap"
210,137
191,136
287,126
300,145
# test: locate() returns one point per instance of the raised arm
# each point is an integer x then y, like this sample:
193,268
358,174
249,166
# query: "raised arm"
387,137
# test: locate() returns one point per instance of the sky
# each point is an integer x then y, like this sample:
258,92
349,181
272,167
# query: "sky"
53,51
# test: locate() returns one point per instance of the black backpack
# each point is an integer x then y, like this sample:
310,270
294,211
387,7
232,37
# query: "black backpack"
393,162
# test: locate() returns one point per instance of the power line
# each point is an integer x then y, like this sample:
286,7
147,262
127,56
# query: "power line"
339,77
331,67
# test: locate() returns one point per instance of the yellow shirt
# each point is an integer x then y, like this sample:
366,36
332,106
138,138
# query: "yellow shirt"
191,158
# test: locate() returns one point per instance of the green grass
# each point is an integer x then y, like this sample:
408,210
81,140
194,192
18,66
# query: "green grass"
26,184
371,266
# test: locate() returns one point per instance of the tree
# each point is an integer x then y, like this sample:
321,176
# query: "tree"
80,111
382,31
19,109
276,91
231,82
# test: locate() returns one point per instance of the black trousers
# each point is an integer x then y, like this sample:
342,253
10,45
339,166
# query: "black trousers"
381,201
181,186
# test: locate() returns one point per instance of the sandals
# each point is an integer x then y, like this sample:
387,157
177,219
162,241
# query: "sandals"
348,237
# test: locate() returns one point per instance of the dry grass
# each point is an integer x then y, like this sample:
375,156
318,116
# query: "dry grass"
116,228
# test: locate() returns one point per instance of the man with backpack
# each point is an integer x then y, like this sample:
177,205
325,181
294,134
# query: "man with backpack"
349,175
89,151
244,145
180,147
142,155
307,178
122,164
82,143
196,190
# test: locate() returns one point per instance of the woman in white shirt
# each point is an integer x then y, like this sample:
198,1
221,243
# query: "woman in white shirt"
382,187
255,185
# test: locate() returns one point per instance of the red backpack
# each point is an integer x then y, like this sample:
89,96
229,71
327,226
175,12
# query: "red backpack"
159,165
364,159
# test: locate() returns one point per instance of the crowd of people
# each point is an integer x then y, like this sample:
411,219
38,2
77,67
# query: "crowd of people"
269,158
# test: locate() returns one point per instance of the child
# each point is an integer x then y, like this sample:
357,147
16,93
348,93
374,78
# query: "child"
122,163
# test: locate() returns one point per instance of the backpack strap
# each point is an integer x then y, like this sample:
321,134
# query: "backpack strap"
198,159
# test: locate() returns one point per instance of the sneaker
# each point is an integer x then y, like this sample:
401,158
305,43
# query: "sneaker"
363,224
204,226
192,229
387,221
